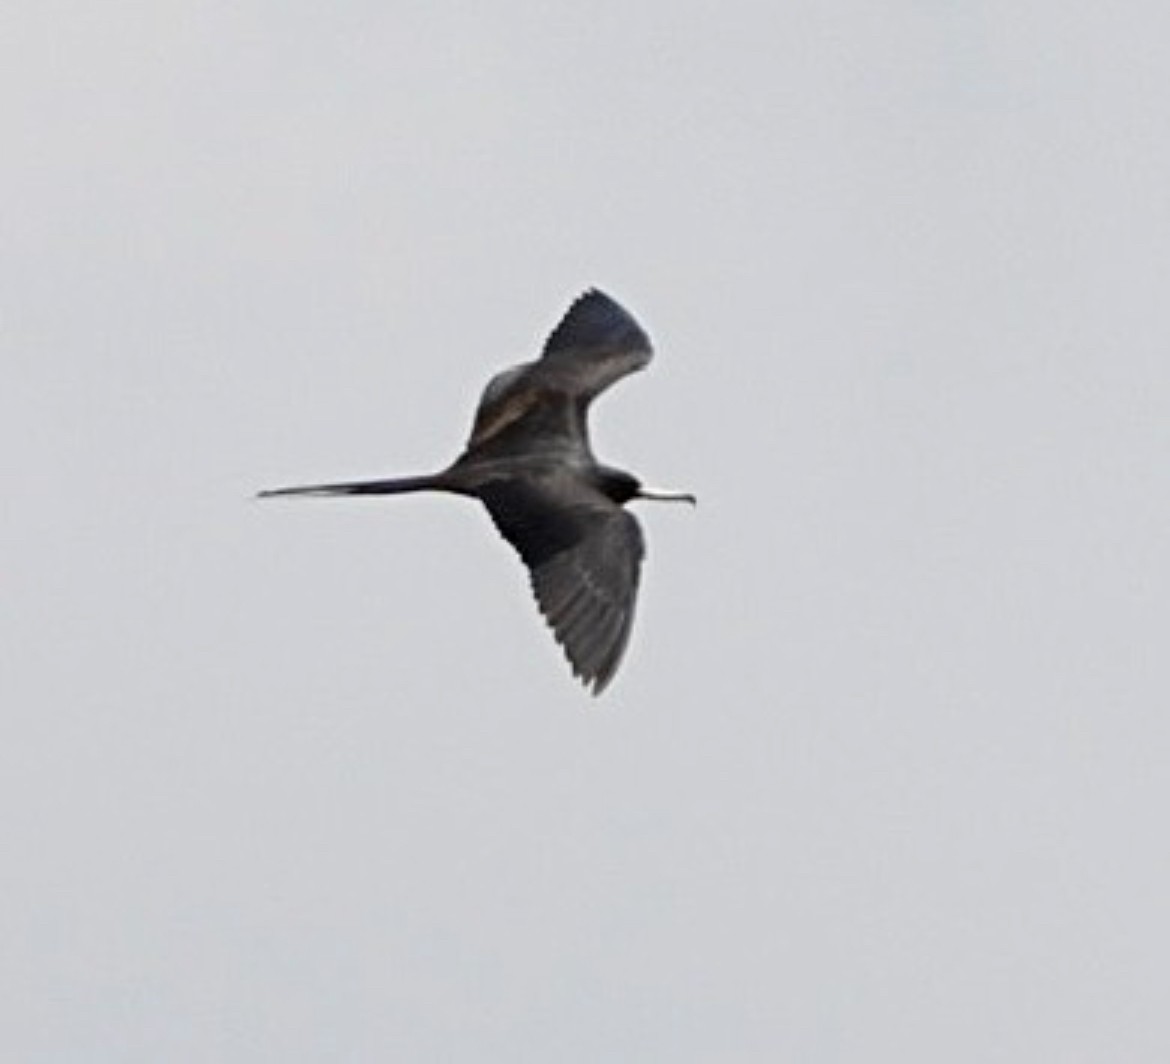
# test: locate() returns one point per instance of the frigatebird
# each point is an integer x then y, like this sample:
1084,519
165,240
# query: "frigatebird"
529,461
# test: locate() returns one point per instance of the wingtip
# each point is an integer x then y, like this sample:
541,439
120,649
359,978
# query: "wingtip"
597,320
594,292
599,299
596,687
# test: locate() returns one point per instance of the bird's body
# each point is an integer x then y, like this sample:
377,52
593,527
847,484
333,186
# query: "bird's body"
530,462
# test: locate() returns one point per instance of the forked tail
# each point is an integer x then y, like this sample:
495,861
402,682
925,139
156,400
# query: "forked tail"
399,486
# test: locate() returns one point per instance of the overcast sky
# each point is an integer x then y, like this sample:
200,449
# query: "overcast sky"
883,777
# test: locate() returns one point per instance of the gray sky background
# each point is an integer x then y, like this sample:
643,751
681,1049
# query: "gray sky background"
884,775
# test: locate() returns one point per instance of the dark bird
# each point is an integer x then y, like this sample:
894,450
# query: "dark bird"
530,463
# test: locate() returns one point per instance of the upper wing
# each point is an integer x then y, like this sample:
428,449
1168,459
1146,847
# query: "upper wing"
596,343
584,555
544,402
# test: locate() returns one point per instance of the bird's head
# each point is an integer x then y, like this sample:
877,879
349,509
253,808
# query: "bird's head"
623,487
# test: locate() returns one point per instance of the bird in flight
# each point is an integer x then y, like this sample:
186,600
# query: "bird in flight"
529,461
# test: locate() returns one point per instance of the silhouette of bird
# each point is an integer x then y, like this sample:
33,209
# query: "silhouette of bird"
529,461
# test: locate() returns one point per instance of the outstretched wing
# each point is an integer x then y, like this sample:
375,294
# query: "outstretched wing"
596,343
584,556
542,404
